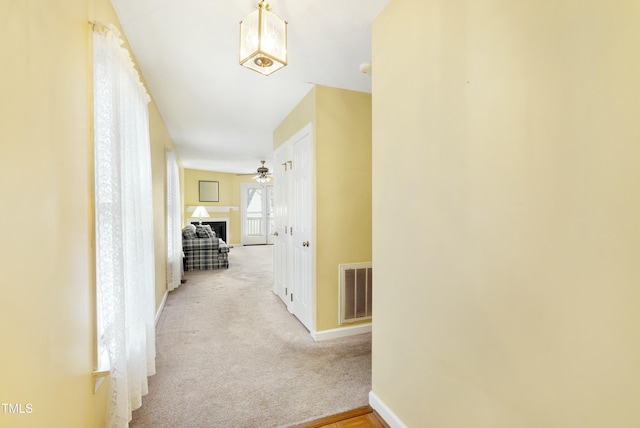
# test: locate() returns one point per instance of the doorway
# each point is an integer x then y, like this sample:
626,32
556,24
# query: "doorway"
256,214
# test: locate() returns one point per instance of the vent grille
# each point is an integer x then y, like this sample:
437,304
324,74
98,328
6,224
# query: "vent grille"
356,290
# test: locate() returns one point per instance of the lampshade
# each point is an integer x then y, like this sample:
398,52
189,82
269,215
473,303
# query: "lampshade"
200,212
263,40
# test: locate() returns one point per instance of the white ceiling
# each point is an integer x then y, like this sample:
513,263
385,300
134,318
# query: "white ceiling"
221,116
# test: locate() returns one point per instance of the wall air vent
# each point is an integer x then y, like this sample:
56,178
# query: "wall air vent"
355,291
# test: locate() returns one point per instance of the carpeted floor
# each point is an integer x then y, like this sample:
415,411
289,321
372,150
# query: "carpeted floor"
230,355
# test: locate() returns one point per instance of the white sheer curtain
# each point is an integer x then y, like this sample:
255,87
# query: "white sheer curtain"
174,223
124,226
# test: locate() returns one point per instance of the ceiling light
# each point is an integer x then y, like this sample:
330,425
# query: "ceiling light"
263,40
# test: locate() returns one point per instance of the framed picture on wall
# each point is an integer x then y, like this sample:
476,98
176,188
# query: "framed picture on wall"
208,191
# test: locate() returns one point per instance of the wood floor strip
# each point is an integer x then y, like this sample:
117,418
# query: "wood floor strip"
362,417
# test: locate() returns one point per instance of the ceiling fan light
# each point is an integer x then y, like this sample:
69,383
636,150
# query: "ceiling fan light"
263,172
263,40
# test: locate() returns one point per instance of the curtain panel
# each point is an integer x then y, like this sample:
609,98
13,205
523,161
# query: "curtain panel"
174,223
125,273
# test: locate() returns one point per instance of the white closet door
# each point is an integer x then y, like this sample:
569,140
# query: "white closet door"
282,238
270,213
301,221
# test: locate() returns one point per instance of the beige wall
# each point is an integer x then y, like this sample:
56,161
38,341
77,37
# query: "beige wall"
46,166
229,196
505,155
341,129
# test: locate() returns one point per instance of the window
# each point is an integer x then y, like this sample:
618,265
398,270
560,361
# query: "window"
125,272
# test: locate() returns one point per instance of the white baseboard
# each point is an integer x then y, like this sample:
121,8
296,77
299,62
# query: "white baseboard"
160,309
385,412
319,336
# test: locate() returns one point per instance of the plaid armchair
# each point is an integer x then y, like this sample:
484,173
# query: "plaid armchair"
202,249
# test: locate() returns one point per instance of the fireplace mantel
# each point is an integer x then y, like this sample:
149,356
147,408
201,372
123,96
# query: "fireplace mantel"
213,209
223,222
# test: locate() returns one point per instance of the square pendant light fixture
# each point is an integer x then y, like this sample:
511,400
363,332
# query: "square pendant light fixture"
263,40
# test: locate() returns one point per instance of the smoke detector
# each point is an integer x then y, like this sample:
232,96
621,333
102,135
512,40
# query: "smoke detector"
365,67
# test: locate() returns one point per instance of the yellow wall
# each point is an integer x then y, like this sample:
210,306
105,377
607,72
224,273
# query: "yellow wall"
229,196
506,156
46,166
341,129
302,114
343,192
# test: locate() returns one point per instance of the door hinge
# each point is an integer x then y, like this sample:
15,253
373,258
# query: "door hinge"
291,297
286,291
290,164
291,231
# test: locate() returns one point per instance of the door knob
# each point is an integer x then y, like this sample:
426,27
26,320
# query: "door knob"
305,244
275,233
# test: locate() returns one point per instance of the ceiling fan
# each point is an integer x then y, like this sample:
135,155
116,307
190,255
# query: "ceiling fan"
264,176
